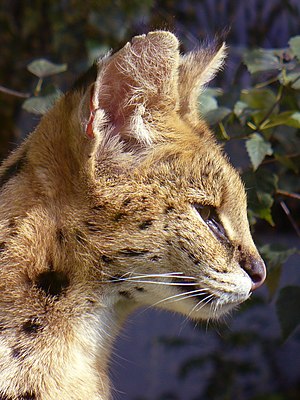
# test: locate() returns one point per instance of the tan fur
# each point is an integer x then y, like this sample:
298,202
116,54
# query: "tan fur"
89,221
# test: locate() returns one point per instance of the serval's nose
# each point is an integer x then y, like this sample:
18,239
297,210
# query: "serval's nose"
255,268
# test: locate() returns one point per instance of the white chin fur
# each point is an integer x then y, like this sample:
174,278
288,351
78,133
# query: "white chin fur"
226,296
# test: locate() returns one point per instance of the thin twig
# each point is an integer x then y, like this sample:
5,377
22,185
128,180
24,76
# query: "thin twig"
273,159
14,92
290,217
288,194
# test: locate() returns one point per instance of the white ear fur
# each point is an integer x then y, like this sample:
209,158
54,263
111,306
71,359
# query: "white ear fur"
140,78
195,71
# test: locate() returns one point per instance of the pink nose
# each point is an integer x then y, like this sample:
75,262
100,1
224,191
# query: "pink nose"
255,268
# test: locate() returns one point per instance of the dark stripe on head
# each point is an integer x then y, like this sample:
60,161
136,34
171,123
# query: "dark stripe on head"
133,252
12,170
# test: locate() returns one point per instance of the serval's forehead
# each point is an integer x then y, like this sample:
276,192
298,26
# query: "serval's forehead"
176,177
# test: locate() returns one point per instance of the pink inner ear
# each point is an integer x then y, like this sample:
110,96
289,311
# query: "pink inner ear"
89,126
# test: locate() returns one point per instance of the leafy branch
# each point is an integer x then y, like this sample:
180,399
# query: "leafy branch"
12,92
41,99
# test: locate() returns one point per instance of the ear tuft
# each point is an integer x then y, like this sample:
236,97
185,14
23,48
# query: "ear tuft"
195,71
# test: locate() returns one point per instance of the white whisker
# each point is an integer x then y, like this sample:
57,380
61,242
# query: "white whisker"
156,282
183,296
203,302
130,277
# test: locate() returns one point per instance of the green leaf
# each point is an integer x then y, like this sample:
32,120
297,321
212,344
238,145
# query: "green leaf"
294,43
257,149
289,118
294,119
259,60
242,111
208,106
291,78
207,103
43,68
260,186
239,108
275,255
40,104
288,309
266,202
212,117
258,99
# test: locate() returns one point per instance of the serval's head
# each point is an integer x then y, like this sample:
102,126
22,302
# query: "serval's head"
122,195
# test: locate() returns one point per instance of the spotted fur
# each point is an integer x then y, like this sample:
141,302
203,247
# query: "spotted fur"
120,198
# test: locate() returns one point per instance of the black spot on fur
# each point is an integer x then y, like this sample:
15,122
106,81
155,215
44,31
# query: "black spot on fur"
19,353
27,396
155,258
2,246
193,258
190,255
92,226
126,202
31,326
52,282
133,252
119,216
106,259
139,289
12,170
60,236
169,209
16,352
98,207
126,294
146,224
12,223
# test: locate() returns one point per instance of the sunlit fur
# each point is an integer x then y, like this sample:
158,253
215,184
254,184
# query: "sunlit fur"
97,218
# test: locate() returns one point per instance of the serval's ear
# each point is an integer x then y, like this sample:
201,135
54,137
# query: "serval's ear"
195,71
131,86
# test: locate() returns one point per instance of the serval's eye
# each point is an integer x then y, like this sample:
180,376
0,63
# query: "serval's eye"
210,216
205,212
